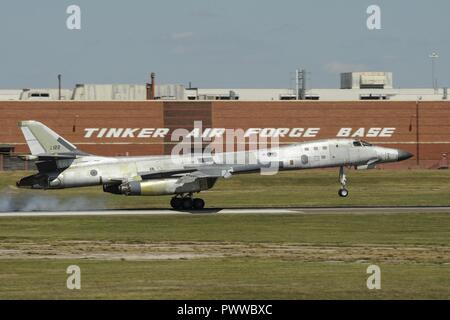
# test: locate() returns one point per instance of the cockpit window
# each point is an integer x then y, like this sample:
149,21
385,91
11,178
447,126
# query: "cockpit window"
366,144
357,144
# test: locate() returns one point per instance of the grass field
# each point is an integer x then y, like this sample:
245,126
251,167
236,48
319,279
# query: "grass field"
210,256
227,256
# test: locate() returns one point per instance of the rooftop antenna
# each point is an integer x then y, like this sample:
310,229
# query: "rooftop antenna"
433,58
300,84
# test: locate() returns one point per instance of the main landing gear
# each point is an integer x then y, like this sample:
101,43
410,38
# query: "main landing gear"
343,192
186,202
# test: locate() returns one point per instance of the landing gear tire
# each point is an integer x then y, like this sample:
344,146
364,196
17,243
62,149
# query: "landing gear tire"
176,203
198,203
343,193
186,203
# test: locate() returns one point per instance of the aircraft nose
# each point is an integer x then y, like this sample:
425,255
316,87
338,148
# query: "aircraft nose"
404,155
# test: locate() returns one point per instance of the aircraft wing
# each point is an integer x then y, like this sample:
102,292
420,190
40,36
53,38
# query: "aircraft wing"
191,172
164,173
213,170
197,171
47,157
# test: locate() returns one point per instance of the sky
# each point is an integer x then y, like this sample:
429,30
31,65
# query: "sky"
221,44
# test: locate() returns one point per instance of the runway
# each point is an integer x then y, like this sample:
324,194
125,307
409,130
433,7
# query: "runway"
221,211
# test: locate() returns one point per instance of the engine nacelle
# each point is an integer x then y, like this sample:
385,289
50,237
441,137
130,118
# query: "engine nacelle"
165,187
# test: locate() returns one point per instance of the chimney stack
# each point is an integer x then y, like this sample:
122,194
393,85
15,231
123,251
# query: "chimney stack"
151,87
59,87
152,76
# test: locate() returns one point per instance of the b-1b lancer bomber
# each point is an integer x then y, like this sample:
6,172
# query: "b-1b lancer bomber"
61,165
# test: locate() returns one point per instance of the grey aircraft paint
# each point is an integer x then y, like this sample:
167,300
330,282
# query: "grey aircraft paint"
62,165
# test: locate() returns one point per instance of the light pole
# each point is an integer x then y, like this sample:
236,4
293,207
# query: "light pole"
433,57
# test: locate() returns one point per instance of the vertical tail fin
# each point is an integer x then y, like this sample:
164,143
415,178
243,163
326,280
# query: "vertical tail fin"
43,140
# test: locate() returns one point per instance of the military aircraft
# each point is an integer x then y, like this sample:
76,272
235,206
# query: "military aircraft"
61,165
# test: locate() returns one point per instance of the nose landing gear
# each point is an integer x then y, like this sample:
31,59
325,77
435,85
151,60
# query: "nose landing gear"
186,202
343,192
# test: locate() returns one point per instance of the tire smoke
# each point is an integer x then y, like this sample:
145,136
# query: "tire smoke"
24,202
